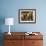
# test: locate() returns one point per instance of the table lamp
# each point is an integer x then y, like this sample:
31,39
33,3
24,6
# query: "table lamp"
9,21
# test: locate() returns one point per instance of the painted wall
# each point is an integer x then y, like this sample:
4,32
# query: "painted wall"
9,8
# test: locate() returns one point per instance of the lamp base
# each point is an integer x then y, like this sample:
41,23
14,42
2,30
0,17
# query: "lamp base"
9,33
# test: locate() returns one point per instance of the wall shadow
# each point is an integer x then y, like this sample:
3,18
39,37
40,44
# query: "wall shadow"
2,21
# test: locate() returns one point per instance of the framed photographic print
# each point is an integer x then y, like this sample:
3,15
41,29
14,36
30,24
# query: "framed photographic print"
27,15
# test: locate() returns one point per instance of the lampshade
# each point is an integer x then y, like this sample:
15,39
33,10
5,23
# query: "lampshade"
9,21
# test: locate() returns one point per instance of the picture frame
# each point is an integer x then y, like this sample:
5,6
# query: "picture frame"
27,16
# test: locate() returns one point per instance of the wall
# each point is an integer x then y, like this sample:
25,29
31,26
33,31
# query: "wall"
9,8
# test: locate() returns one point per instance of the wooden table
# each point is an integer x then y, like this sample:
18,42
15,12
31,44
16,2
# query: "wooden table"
20,39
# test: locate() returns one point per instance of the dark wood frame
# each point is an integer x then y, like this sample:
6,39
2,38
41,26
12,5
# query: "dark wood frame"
29,10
